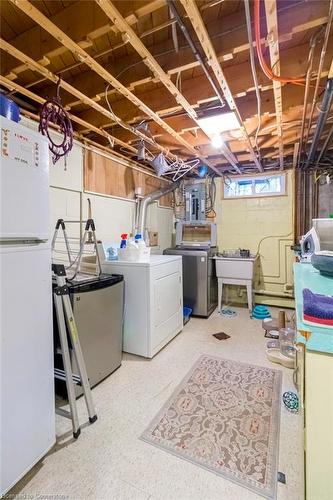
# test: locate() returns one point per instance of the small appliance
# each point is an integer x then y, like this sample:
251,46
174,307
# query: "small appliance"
319,240
199,277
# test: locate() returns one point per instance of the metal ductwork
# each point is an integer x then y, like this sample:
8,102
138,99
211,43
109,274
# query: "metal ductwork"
322,119
147,200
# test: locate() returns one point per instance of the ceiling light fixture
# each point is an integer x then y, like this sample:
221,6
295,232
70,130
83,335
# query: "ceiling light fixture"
216,141
217,124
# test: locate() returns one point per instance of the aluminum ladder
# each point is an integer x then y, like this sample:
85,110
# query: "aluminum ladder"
64,314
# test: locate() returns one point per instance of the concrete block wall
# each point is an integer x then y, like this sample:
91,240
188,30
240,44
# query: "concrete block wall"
263,225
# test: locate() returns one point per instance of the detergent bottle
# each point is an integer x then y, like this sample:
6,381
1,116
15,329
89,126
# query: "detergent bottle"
123,242
139,241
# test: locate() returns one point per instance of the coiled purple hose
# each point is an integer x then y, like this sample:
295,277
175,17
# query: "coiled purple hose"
53,111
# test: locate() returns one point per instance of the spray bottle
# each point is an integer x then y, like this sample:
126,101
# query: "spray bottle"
123,242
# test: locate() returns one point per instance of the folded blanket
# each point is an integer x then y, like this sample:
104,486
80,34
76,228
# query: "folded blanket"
317,308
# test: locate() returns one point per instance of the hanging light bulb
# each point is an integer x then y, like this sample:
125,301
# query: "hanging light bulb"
216,141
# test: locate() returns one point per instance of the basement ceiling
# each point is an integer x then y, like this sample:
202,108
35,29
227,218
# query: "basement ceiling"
136,52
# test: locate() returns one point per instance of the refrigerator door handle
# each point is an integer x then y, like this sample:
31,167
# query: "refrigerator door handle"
22,241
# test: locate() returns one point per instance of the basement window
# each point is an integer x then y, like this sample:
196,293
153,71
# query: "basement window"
255,186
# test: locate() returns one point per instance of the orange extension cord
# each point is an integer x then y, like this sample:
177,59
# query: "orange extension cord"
264,66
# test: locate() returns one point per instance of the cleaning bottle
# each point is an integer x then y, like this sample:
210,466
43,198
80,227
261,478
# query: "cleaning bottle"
131,243
139,241
123,242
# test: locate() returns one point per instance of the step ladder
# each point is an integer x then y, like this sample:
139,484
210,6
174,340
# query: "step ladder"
64,314
88,238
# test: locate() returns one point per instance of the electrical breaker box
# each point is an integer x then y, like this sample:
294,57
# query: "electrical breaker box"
195,202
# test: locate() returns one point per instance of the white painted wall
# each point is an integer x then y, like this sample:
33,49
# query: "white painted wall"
112,216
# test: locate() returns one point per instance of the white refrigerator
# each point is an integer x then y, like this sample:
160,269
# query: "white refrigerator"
27,418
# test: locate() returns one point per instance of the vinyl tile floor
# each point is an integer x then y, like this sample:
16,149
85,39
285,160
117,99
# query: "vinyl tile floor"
109,461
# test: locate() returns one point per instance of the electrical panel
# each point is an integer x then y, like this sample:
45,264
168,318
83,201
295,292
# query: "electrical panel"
195,202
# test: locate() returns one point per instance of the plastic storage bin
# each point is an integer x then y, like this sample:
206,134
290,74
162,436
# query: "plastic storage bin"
187,311
130,254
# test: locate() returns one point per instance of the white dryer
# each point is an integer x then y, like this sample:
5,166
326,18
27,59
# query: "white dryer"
153,302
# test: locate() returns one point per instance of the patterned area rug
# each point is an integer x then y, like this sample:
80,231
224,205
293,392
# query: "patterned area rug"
225,416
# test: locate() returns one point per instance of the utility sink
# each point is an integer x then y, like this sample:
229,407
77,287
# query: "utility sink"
235,270
235,267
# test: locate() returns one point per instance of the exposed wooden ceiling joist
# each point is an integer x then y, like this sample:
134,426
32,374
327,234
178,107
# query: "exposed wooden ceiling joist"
274,53
225,27
96,146
88,126
67,17
35,66
197,87
80,53
305,21
114,15
238,75
199,27
40,100
131,37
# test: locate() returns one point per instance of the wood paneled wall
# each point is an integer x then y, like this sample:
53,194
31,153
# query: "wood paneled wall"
106,176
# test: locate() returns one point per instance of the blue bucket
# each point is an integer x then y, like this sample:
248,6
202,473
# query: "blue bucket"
9,109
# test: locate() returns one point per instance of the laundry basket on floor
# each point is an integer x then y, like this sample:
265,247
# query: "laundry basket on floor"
187,311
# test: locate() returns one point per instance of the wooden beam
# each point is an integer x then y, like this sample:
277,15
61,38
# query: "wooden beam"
115,16
131,37
40,100
293,104
305,18
35,66
199,27
80,53
85,31
89,127
194,88
97,147
274,53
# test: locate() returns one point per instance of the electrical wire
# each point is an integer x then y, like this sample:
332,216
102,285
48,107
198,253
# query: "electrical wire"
115,117
264,66
253,69
149,138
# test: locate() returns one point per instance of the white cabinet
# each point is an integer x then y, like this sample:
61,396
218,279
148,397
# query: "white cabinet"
313,377
153,302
